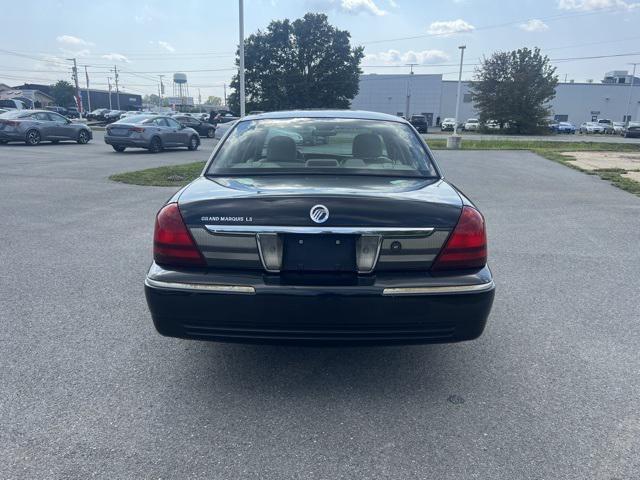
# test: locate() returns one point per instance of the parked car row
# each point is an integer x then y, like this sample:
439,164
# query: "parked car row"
150,131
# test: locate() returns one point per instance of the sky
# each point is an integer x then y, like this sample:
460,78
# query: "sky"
145,39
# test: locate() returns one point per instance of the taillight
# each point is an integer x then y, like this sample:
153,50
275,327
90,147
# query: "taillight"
172,242
11,123
467,245
137,129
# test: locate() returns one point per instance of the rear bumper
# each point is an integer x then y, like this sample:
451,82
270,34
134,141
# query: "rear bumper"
126,141
257,308
12,136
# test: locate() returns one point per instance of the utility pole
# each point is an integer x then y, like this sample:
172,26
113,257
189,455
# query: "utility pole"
160,90
224,85
75,80
408,104
199,100
86,74
115,71
627,116
241,21
109,83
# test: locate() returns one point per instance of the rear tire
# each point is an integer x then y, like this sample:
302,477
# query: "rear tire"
211,133
155,146
118,148
83,137
33,137
194,142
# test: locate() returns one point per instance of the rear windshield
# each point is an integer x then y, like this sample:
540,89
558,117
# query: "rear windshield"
133,119
322,146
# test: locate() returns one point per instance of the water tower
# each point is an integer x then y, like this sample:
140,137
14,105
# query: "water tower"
180,85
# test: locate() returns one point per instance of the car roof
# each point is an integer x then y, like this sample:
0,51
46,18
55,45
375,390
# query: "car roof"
353,114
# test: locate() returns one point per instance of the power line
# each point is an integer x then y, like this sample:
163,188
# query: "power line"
490,27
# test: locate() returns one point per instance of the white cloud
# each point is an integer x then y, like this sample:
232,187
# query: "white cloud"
352,7
589,5
534,25
167,46
72,41
83,52
116,57
394,57
451,27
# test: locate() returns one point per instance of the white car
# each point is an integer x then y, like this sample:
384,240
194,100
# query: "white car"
472,125
618,128
591,127
448,124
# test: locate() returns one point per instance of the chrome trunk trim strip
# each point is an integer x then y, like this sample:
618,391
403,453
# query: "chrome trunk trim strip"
199,287
483,287
253,229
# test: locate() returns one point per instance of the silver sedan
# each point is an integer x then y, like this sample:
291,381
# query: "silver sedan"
34,126
153,132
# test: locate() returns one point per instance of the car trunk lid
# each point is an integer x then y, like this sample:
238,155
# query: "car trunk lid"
366,222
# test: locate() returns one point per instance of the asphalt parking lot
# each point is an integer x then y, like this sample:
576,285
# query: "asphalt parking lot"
89,390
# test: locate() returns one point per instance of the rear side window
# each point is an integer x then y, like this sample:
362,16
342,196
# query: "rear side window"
172,123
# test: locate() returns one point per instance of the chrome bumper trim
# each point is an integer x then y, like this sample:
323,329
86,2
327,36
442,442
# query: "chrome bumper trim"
199,287
253,229
483,287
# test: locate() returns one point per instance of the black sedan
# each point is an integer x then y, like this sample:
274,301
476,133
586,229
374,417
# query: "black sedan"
355,240
203,128
632,130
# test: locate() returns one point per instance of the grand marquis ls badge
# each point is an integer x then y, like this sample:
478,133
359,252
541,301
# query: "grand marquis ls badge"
319,213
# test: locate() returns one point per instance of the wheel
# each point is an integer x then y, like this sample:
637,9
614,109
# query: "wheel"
118,148
83,137
156,145
211,133
33,137
193,143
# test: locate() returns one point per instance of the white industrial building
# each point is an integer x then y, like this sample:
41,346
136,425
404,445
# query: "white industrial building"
435,98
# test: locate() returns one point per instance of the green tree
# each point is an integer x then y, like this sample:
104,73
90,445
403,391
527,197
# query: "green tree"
514,88
63,93
213,101
152,99
307,63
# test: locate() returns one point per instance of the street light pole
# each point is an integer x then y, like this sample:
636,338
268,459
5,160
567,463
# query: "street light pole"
627,117
241,76
455,127
408,103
